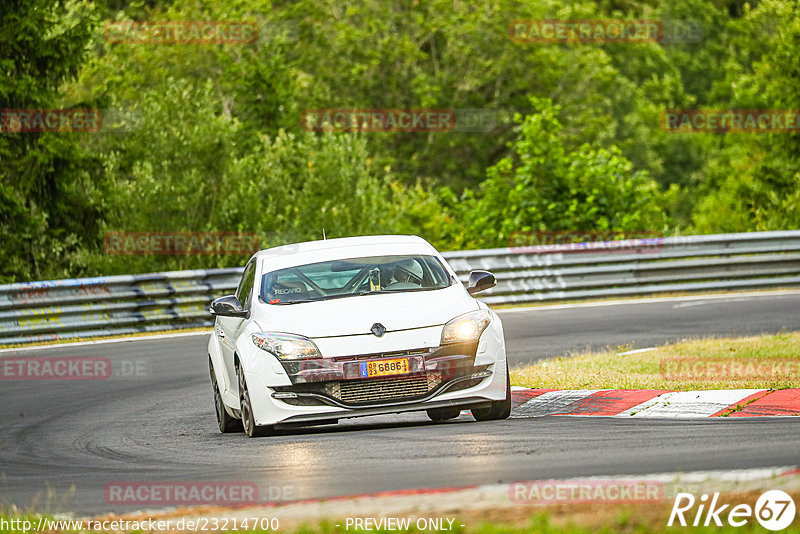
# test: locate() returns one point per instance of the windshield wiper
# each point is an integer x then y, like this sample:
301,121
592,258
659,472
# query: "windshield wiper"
398,290
369,292
329,297
359,294
411,290
341,296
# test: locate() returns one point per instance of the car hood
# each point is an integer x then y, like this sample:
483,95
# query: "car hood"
356,315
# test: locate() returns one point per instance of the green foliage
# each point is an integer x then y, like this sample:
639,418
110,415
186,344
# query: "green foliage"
46,179
294,186
185,169
208,137
548,186
443,54
753,180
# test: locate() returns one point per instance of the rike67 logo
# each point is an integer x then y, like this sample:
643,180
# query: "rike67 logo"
774,510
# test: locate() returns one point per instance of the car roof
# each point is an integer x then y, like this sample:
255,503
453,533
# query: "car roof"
324,250
327,244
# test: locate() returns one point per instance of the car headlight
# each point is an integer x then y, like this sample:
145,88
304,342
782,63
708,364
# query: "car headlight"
286,346
467,327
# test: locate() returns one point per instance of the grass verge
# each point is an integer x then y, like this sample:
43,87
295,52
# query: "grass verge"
567,518
764,362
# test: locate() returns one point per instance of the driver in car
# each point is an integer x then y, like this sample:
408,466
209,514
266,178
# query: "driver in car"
403,274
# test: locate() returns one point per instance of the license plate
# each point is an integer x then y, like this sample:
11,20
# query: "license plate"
397,366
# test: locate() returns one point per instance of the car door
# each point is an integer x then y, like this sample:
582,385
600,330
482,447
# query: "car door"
230,328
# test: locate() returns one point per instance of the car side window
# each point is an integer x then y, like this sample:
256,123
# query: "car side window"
246,285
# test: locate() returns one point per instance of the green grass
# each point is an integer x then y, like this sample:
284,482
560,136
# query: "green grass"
666,367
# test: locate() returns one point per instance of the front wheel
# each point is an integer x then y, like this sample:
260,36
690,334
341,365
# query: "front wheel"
225,422
248,421
497,409
443,414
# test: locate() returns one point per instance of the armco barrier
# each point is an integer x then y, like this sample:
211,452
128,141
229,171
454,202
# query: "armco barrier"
113,305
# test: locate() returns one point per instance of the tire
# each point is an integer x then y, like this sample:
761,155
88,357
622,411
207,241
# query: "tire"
443,414
498,409
226,423
248,421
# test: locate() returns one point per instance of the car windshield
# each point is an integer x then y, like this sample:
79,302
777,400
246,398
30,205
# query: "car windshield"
353,277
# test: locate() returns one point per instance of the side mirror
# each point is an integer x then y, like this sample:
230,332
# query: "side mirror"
480,280
227,306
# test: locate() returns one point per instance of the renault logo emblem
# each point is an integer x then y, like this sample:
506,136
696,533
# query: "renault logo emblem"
378,329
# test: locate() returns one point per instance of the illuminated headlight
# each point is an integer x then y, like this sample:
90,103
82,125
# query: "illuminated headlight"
286,346
467,327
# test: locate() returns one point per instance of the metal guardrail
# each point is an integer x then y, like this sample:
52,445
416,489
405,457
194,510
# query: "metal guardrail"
115,305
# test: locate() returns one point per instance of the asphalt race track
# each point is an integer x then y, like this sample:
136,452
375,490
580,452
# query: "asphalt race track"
157,424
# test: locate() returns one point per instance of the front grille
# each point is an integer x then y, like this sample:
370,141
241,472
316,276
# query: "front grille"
365,391
393,354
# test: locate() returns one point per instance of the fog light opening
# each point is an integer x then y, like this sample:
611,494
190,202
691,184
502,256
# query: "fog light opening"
482,374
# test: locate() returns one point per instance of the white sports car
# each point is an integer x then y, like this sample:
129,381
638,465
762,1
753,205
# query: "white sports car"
339,328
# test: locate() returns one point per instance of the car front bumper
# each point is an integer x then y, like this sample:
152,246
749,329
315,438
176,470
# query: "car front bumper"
465,375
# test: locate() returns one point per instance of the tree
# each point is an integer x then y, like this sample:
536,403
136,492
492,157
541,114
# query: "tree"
48,201
547,186
754,178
